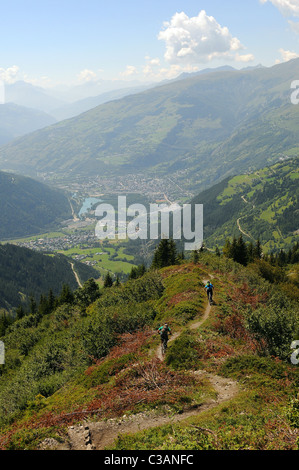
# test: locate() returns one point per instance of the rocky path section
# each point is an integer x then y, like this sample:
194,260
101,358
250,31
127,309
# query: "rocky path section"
98,435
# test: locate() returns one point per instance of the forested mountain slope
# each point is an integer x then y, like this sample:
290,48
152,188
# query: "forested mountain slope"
29,207
260,205
25,273
16,121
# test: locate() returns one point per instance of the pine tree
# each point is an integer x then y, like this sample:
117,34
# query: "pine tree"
66,296
165,254
32,305
241,252
234,249
43,307
227,248
195,256
258,250
20,312
51,301
172,259
133,273
108,281
250,252
5,321
237,250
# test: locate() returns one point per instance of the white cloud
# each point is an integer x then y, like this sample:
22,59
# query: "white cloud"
286,7
289,8
130,70
43,82
87,76
154,61
167,73
244,57
287,55
197,40
10,74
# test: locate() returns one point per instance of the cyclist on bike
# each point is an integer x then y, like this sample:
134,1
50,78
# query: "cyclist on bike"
164,331
209,288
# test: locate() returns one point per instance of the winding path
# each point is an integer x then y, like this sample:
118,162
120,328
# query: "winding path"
76,275
100,434
244,217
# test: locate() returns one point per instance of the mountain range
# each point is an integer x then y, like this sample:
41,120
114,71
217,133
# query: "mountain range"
201,129
80,106
31,96
29,207
16,121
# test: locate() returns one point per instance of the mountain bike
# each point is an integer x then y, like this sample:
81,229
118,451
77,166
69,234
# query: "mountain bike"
163,346
210,297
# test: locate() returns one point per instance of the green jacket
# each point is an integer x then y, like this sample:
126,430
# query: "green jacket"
168,330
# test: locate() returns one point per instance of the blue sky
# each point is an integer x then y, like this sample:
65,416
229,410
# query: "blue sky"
48,42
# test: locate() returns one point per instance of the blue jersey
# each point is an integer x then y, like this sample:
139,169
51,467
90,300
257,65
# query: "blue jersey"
209,286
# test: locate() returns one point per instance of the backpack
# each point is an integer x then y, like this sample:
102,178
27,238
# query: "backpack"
164,332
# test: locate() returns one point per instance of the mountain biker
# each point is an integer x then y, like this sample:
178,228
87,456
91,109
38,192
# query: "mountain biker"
209,288
164,331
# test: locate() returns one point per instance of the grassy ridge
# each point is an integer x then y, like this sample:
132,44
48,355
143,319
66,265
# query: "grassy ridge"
101,363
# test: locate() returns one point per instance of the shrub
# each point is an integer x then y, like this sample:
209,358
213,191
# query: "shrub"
185,352
277,324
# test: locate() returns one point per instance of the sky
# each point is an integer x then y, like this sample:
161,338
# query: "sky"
72,42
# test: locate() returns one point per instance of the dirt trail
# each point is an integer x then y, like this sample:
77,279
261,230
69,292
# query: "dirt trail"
193,326
76,275
98,435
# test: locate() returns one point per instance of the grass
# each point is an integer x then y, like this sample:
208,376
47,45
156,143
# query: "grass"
131,380
103,261
254,420
37,237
